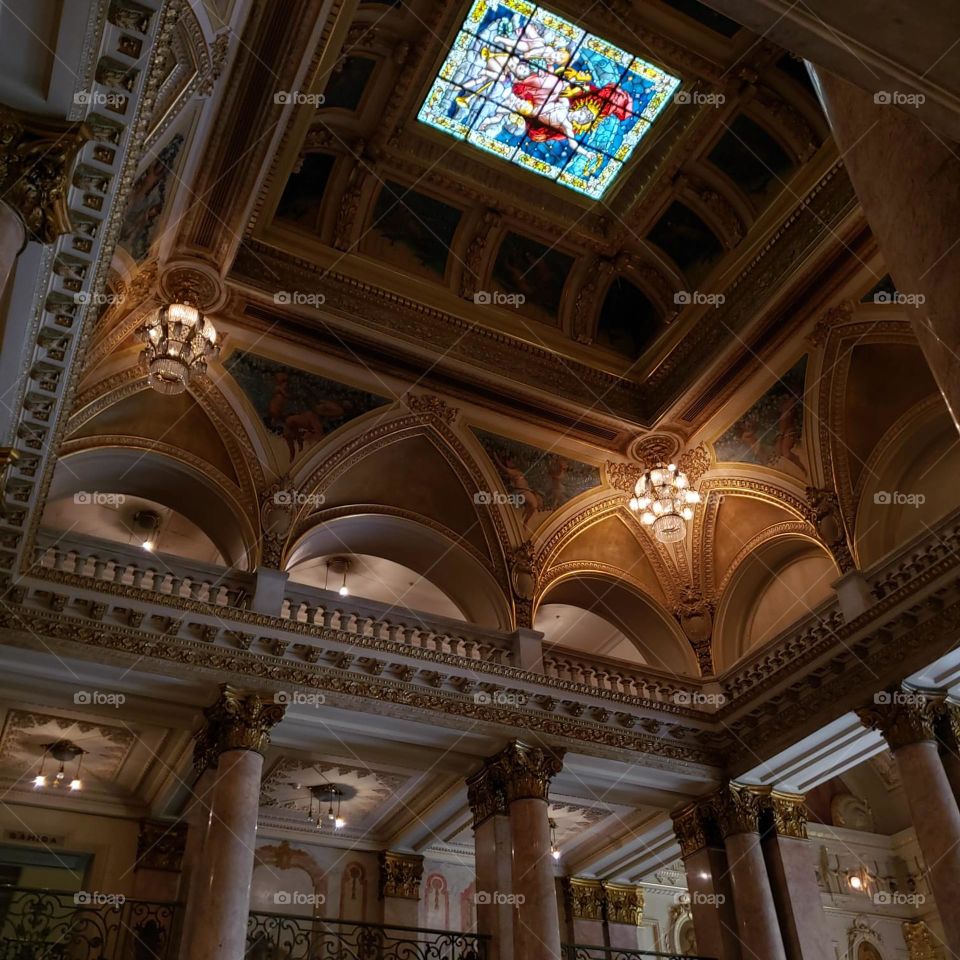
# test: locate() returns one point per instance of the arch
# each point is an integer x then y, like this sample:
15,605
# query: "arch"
435,905
910,481
779,581
655,634
160,477
435,553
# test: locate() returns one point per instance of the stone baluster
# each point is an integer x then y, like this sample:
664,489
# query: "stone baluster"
708,880
99,566
737,812
907,720
232,742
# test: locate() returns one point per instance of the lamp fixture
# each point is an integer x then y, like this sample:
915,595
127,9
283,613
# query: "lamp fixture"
339,565
331,796
177,340
554,846
146,524
664,500
64,751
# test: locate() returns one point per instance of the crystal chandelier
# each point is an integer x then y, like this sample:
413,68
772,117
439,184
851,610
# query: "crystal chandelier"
177,339
664,500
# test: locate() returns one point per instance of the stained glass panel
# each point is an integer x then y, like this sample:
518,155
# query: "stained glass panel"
532,88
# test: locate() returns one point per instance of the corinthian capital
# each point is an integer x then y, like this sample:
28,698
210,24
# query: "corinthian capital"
37,155
789,814
902,717
737,809
524,771
486,796
237,721
690,829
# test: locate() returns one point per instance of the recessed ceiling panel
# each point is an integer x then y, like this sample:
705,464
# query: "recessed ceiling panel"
534,89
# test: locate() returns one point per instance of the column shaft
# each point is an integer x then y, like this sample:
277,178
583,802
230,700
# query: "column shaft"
493,859
753,898
908,181
537,920
228,856
711,903
197,817
936,820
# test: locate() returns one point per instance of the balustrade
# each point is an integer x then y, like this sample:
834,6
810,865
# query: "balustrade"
575,951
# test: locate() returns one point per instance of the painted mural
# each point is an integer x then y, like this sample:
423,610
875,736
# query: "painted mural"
147,201
770,432
537,481
298,408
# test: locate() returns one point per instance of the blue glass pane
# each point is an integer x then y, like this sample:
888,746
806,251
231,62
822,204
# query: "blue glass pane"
531,87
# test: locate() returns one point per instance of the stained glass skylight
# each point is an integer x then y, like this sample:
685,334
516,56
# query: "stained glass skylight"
533,88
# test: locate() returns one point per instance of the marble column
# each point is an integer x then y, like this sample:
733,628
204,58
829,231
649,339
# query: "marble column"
907,721
399,888
708,881
525,773
584,908
948,740
737,811
236,734
791,868
493,860
907,179
623,910
197,820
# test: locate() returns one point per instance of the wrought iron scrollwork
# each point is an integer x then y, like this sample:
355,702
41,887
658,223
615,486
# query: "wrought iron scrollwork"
576,951
273,936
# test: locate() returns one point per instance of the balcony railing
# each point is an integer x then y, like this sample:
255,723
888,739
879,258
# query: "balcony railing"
273,936
53,925
575,951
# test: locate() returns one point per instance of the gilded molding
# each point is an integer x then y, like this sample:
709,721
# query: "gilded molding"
400,875
689,828
902,717
789,814
525,771
828,519
623,903
237,721
160,845
485,796
736,809
920,941
584,899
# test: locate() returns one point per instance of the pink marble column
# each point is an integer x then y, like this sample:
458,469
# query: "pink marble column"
492,858
907,723
907,179
737,810
708,881
235,736
197,818
524,773
791,867
948,738
12,240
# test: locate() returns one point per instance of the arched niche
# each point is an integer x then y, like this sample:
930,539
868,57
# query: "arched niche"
778,583
434,555
910,486
135,472
655,636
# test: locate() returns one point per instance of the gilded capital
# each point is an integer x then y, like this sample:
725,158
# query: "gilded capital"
584,898
948,725
486,796
624,903
689,828
737,809
400,875
525,771
237,721
920,942
902,717
789,814
37,156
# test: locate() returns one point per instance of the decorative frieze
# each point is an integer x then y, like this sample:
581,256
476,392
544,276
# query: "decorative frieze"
584,899
237,721
400,875
623,903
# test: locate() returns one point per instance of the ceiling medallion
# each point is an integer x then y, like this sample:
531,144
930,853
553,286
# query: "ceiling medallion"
536,90
664,500
177,339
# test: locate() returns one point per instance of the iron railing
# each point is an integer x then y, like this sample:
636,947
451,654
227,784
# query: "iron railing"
576,951
273,936
54,925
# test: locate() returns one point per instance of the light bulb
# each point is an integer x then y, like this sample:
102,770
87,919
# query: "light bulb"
76,784
343,591
691,496
644,503
687,513
339,823
672,468
148,545
634,504
39,781
555,853
657,507
648,518
681,480
856,882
